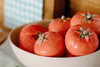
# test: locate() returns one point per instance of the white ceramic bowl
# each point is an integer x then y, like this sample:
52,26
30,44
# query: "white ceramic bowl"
32,60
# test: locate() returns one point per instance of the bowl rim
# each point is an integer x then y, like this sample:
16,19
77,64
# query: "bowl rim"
9,38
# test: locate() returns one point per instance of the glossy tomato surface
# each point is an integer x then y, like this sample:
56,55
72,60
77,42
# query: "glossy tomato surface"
87,18
60,26
50,44
81,46
28,36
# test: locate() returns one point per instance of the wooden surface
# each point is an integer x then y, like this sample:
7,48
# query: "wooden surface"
3,36
89,5
2,16
48,9
1,13
59,8
4,33
53,9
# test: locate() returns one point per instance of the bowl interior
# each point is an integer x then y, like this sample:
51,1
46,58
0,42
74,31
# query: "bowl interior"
28,59
15,33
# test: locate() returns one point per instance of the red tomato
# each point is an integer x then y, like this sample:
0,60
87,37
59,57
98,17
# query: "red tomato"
87,18
80,40
28,36
69,55
50,44
60,25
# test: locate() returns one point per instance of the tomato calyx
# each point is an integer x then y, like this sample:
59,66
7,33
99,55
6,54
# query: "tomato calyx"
39,34
63,18
41,39
84,33
88,17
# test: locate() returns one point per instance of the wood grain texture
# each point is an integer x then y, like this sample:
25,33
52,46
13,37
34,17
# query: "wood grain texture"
89,5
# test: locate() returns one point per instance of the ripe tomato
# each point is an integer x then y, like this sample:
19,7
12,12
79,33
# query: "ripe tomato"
60,25
87,18
69,55
50,44
28,36
80,40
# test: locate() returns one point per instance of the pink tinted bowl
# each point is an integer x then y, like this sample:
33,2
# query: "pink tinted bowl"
32,60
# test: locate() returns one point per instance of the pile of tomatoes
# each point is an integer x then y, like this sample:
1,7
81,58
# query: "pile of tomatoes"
70,37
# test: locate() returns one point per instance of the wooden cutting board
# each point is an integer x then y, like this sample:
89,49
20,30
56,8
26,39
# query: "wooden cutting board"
3,36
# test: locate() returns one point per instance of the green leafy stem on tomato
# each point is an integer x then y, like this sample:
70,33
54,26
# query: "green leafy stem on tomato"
41,38
84,33
89,17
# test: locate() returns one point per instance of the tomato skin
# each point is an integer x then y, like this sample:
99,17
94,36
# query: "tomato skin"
69,55
78,19
52,47
80,47
27,36
60,26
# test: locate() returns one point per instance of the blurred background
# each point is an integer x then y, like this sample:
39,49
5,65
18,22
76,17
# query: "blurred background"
14,13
